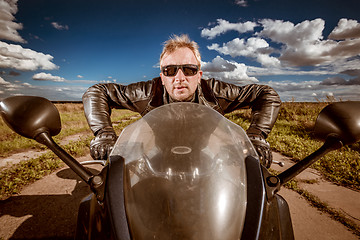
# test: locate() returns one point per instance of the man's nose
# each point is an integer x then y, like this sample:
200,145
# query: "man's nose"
180,76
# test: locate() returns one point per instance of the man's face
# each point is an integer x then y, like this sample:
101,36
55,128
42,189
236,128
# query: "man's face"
180,87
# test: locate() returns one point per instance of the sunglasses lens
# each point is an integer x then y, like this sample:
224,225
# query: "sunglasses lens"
188,70
170,71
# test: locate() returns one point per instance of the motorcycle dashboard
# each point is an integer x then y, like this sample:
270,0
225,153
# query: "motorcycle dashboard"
184,174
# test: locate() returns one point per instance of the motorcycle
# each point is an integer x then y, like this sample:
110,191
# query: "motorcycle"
183,171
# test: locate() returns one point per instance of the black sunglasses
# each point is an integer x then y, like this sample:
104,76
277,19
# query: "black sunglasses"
187,69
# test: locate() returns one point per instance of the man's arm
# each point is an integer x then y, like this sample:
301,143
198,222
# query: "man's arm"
97,107
265,105
263,100
98,101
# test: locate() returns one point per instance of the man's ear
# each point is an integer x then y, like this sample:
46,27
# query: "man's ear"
201,73
161,76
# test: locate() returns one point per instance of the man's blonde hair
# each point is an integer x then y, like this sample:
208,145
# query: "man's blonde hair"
175,42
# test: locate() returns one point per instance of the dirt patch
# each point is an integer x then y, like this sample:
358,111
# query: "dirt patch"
29,154
18,157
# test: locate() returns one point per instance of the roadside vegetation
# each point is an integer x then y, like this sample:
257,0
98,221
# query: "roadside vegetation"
14,177
293,136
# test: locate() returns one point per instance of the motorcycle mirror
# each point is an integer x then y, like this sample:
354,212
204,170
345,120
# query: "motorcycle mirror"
37,118
338,124
341,119
29,116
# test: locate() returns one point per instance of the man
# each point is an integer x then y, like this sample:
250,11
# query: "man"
180,80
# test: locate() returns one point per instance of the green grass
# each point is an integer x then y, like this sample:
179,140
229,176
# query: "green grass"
293,136
15,177
72,121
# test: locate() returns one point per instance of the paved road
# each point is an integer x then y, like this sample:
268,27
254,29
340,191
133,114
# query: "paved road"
310,223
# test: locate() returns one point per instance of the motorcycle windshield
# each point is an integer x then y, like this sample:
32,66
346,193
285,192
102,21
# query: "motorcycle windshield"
185,174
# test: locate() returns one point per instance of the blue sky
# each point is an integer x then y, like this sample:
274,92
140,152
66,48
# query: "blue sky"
306,50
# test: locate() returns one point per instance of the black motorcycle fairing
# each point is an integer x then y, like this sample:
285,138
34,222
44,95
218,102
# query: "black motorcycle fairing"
93,220
256,199
114,198
267,214
185,174
107,219
286,227
276,222
83,223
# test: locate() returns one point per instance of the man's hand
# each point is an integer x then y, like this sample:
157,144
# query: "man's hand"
102,144
262,148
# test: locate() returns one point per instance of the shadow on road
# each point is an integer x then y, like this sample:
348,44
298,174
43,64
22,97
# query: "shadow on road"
47,216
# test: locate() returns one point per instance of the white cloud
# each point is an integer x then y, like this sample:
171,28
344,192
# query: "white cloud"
3,82
225,26
241,3
47,77
58,26
79,76
283,49
70,92
9,28
291,86
218,64
340,81
233,72
321,53
333,81
73,93
304,44
253,47
290,34
352,72
304,91
8,87
17,57
346,29
298,45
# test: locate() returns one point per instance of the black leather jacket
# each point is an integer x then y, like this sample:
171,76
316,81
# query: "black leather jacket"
142,97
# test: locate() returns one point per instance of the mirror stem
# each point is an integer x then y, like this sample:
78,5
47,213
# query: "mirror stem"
332,142
44,138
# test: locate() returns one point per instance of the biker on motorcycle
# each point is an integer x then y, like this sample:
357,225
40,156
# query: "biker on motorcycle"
180,80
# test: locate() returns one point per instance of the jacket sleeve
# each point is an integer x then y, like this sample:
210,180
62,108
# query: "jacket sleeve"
263,101
99,99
